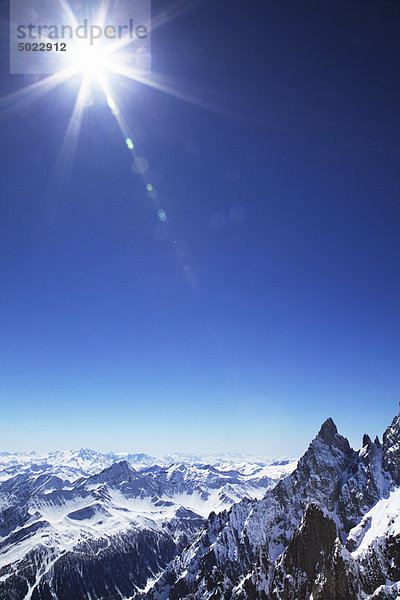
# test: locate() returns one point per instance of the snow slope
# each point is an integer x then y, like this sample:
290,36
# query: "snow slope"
58,521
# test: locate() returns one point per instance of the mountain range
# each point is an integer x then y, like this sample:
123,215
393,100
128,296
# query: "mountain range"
71,464
325,527
330,530
109,528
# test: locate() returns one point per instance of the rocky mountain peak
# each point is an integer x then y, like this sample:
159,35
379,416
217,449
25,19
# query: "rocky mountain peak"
366,441
328,431
369,451
320,470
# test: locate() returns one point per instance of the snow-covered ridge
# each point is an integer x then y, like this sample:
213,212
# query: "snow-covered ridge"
64,505
71,464
383,520
329,530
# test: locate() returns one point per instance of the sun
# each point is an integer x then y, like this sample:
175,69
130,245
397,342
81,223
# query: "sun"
91,61
91,46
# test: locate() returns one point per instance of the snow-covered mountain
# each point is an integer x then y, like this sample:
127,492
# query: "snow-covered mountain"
110,532
71,464
328,531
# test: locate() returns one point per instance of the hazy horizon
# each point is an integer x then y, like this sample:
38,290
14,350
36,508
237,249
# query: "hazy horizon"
288,446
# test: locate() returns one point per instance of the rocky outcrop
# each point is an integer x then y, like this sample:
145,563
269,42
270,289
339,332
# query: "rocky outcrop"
391,450
315,563
364,485
301,563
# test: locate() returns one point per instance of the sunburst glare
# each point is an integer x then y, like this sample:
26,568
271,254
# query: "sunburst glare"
102,45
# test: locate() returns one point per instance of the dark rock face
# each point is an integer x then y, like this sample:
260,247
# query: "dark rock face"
312,542
339,577
313,563
14,588
88,512
305,556
328,431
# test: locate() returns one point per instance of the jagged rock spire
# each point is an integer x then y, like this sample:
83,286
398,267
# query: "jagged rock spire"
366,441
328,431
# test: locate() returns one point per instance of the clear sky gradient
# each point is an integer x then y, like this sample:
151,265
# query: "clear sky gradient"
269,298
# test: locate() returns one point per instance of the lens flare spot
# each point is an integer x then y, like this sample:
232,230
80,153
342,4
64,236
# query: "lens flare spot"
112,105
140,164
149,187
161,215
129,143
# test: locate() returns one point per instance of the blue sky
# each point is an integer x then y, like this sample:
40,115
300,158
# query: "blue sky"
269,298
